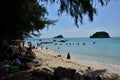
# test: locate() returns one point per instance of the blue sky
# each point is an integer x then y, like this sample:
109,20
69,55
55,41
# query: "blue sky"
108,19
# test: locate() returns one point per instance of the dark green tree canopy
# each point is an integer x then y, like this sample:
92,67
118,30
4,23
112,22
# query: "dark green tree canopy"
20,17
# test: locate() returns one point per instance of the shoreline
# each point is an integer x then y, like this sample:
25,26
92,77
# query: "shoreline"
75,63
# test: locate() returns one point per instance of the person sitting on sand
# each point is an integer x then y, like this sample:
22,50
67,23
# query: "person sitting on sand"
17,60
21,51
98,78
29,53
88,72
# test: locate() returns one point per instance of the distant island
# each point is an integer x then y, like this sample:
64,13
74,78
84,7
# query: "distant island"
59,36
101,34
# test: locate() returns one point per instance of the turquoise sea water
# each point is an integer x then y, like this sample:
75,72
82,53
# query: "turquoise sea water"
105,50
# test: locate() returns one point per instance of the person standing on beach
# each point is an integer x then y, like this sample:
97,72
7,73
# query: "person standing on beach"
41,47
68,56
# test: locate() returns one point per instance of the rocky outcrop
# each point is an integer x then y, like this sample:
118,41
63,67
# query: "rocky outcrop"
101,34
62,73
59,36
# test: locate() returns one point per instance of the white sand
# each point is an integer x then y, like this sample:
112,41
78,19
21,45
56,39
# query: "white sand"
48,58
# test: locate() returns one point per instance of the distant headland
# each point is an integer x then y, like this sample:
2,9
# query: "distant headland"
101,34
59,36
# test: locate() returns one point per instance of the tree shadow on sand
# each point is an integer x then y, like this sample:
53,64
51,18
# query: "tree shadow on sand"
100,74
62,73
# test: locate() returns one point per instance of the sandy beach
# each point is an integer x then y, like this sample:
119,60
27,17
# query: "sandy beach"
49,65
49,59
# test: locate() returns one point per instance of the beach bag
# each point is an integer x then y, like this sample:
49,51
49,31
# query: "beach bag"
14,69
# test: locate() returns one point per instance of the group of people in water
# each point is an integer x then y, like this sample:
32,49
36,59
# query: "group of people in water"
73,43
68,55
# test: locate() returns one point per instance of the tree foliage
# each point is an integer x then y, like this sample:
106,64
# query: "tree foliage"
78,8
20,17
